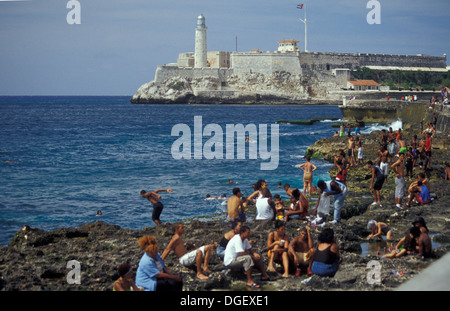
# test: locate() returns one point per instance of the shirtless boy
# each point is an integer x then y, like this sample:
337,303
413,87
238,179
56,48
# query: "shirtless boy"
189,258
300,249
423,242
399,169
155,198
235,206
351,151
382,152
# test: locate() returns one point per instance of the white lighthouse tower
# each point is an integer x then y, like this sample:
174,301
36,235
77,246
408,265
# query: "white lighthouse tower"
201,53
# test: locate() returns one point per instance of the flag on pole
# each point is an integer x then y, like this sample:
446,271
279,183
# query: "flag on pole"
300,6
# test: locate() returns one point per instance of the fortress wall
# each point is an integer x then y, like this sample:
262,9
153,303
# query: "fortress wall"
329,61
166,72
297,63
265,63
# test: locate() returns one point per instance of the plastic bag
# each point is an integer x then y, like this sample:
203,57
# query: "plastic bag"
324,204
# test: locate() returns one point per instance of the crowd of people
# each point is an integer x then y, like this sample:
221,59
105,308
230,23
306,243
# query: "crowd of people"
235,248
299,254
394,154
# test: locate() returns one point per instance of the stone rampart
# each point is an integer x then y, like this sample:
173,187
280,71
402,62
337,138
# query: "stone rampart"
329,61
266,62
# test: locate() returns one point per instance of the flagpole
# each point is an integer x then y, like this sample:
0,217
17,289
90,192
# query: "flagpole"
306,31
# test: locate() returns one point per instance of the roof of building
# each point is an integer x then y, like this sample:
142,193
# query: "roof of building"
288,41
364,82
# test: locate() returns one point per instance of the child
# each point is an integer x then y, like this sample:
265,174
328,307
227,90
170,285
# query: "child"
384,166
279,207
360,152
378,177
407,245
409,164
378,229
125,281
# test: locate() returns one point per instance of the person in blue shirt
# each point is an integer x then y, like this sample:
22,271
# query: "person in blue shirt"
421,193
152,274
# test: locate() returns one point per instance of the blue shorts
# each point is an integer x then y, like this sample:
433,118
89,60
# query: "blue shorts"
323,269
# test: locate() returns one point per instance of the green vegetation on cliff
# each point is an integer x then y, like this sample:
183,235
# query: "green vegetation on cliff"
395,79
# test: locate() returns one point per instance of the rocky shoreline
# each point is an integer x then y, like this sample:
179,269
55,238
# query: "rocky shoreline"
37,260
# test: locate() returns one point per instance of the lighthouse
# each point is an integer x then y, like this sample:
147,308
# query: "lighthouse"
201,53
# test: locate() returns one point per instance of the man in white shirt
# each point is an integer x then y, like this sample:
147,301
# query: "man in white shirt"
239,254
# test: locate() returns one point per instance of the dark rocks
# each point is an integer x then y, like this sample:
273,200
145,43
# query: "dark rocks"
100,248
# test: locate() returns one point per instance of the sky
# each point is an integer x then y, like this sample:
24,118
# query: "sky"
118,44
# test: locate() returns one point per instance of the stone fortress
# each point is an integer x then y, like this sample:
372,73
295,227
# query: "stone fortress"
287,75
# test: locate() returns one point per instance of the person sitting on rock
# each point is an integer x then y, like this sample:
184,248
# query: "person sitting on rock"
299,206
191,258
152,273
240,254
125,281
421,194
277,246
236,226
421,224
423,242
326,257
301,249
406,246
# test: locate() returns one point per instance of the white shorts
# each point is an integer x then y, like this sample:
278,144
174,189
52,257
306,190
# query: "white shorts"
360,153
399,187
189,258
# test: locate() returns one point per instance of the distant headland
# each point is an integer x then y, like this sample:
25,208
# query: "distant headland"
285,76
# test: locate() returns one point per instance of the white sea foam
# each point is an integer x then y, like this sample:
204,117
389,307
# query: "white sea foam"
398,124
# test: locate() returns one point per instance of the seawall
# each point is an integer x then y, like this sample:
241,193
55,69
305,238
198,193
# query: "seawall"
375,107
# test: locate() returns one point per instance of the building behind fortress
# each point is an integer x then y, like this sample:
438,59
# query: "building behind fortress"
229,72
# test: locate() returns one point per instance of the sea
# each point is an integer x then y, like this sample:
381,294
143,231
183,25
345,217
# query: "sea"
64,158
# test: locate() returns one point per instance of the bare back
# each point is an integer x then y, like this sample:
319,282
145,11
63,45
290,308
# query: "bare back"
233,207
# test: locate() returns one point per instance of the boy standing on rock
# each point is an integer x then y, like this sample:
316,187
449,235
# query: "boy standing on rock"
378,177
399,169
351,150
